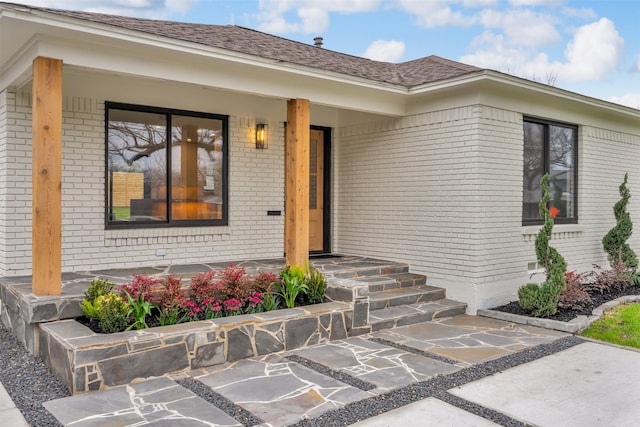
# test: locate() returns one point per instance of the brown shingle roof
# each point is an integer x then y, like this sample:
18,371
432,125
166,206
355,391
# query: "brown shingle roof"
252,42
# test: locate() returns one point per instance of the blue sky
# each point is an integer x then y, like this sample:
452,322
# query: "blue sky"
589,47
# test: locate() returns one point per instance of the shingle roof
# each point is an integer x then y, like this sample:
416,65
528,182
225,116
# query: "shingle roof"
252,42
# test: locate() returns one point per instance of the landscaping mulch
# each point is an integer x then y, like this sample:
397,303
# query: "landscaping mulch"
564,314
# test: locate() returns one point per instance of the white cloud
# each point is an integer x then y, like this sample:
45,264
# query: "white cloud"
521,3
480,3
312,15
636,68
139,8
522,26
314,20
495,53
278,25
436,13
385,50
595,50
583,13
182,6
630,100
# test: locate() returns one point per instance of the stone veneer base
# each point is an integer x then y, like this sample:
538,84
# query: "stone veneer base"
87,361
573,326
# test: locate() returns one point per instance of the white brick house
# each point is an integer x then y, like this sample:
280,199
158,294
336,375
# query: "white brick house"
425,159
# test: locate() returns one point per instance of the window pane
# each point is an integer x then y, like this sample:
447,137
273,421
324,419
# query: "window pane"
196,168
137,165
561,154
533,169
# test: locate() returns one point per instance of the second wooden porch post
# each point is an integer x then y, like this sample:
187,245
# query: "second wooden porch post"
296,175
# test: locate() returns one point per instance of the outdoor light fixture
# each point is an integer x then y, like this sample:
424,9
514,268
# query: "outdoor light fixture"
261,136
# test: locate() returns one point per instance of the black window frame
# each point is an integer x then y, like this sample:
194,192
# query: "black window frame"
169,223
546,164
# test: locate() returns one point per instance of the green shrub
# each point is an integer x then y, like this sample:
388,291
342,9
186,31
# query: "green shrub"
97,288
291,285
111,313
527,296
139,309
615,241
270,301
542,300
316,286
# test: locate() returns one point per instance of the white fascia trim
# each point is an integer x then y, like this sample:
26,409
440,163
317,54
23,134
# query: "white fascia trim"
16,72
163,42
529,85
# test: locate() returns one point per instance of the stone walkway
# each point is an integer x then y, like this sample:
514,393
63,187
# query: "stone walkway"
285,388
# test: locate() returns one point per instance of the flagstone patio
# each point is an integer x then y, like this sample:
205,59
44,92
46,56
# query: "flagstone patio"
282,389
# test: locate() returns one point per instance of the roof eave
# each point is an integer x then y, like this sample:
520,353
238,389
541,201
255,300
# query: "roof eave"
486,75
164,42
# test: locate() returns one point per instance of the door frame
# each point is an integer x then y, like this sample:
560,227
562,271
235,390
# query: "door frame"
326,215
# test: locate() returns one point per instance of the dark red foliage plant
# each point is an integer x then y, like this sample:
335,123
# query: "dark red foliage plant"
204,286
263,281
140,286
172,294
235,283
574,296
603,280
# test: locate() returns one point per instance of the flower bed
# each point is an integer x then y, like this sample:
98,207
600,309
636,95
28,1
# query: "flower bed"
583,300
154,301
87,361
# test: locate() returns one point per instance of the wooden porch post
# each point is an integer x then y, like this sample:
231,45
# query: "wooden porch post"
297,183
47,177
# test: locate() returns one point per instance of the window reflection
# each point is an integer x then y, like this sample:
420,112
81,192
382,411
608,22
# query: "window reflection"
140,167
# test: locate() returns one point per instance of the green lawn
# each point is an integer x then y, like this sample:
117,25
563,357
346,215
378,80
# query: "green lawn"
122,213
621,325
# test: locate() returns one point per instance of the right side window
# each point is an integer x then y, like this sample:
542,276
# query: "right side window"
550,148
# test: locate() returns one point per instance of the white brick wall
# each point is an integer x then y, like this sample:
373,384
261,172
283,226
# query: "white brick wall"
443,191
440,190
15,216
256,182
6,98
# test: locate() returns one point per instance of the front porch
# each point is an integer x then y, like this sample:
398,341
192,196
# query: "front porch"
363,295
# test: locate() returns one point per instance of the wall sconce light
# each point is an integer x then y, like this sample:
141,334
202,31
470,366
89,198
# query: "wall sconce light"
261,136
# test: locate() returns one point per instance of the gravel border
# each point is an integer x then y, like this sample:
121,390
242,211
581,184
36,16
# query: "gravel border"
28,381
437,387
246,418
336,375
414,350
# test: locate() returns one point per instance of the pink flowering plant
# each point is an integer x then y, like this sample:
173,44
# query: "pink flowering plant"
171,303
209,295
212,308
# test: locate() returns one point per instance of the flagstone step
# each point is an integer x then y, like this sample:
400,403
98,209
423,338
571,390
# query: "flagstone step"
408,314
367,271
393,281
403,296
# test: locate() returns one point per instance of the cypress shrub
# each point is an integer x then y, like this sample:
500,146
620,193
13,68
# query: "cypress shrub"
615,241
542,300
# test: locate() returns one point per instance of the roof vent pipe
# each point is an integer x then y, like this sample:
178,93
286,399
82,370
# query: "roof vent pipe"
317,41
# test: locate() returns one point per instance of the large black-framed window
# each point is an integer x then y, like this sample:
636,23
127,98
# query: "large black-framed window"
165,167
550,147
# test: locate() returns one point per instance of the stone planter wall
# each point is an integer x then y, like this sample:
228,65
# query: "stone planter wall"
22,312
87,361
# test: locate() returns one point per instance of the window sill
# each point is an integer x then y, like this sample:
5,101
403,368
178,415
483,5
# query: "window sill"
144,236
560,231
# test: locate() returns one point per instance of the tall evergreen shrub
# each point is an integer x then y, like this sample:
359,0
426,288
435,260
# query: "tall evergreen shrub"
542,300
615,241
